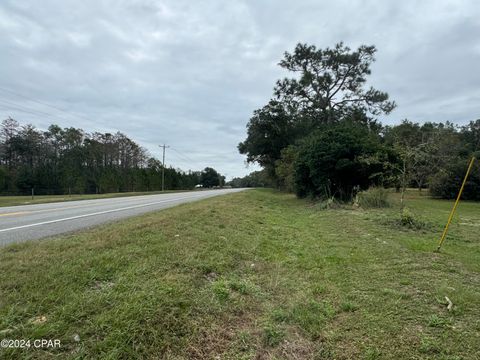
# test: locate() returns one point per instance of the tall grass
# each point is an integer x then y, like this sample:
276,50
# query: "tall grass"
375,197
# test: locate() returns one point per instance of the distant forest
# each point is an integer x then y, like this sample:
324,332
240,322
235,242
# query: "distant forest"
69,160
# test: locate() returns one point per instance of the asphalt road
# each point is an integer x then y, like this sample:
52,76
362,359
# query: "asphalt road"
30,222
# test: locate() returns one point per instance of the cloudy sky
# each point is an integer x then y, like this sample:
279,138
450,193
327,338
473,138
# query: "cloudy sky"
190,73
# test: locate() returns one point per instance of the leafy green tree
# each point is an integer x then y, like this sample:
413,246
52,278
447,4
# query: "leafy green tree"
270,130
209,178
423,150
8,132
446,183
285,168
330,82
254,179
3,179
327,86
471,135
334,161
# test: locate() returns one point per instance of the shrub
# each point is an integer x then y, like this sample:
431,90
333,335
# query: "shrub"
285,169
410,220
328,204
338,158
375,197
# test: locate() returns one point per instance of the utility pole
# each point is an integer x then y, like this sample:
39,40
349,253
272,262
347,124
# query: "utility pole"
163,165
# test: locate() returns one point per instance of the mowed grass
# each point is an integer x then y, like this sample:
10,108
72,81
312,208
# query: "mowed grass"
257,274
41,199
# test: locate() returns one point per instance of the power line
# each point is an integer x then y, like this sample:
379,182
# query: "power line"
183,156
9,108
29,98
22,108
10,105
42,103
180,159
32,111
192,163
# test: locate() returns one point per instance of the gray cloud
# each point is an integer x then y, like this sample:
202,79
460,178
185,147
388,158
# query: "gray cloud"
191,73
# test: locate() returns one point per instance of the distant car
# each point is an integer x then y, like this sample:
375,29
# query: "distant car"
198,186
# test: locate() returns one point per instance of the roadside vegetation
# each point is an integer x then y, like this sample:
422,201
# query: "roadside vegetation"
257,274
321,134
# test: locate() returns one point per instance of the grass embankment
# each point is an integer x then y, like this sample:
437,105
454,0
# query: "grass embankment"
256,274
41,199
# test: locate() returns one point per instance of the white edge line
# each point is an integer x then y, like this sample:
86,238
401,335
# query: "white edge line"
97,213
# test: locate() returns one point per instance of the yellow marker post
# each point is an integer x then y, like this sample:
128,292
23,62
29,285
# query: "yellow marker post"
444,234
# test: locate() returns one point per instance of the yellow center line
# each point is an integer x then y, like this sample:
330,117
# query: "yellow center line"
15,213
44,210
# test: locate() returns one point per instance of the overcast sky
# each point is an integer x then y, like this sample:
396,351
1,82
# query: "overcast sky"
190,73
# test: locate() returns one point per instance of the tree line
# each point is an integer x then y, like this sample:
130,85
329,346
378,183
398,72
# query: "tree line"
69,160
254,179
320,134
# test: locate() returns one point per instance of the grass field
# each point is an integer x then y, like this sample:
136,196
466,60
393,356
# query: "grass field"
257,274
41,199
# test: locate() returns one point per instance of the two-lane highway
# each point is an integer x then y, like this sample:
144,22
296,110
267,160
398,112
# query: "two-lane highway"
29,222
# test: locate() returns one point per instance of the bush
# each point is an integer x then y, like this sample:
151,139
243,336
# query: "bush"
410,220
337,159
285,169
375,197
328,204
